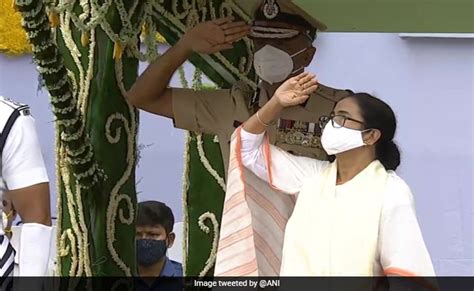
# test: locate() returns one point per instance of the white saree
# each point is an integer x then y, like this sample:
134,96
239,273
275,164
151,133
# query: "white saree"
366,227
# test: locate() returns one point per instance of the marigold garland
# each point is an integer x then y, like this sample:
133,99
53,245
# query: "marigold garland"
13,40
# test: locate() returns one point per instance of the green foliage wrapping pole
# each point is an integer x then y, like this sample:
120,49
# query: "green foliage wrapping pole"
204,194
86,73
86,69
205,199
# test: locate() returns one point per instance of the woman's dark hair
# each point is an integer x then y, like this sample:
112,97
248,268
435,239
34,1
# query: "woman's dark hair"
378,114
151,213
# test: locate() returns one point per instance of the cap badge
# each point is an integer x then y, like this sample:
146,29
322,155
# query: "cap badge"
270,9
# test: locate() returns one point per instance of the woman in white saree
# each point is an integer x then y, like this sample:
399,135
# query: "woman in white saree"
354,216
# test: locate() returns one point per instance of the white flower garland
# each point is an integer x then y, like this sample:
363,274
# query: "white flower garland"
207,164
236,71
86,10
85,256
72,215
225,10
185,185
37,23
73,82
182,77
119,78
197,79
186,6
213,254
71,203
78,161
74,52
34,33
126,38
59,85
66,110
74,259
212,10
184,191
239,10
82,148
59,221
61,246
41,47
84,97
246,65
89,173
75,136
52,70
115,197
65,250
126,220
34,12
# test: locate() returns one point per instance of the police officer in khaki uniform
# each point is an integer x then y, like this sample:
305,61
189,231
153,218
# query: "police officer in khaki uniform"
283,36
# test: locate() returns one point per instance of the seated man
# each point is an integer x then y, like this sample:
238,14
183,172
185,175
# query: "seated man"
154,236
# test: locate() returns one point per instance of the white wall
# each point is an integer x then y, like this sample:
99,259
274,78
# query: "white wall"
428,83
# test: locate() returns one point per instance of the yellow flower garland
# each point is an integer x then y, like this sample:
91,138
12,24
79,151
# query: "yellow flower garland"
13,40
160,39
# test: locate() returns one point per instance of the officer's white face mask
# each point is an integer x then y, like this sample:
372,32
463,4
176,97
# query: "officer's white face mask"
274,65
338,140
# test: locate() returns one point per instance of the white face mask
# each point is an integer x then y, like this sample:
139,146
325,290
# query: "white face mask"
338,140
274,65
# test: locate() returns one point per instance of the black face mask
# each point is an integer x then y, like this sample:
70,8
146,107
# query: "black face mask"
150,251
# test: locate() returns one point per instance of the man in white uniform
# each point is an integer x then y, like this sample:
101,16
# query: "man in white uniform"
24,179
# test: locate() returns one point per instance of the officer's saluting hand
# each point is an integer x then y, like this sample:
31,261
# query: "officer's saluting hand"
213,36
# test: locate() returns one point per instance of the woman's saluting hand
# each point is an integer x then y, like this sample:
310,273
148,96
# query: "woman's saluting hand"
296,90
293,91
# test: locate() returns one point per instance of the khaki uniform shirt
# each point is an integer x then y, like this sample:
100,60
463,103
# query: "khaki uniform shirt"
220,112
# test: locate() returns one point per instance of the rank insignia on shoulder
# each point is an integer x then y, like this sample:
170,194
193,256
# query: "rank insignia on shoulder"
15,105
25,111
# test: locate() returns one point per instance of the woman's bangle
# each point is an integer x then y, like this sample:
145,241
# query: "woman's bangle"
261,122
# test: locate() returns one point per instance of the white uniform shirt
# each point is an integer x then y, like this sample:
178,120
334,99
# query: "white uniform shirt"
21,162
400,249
